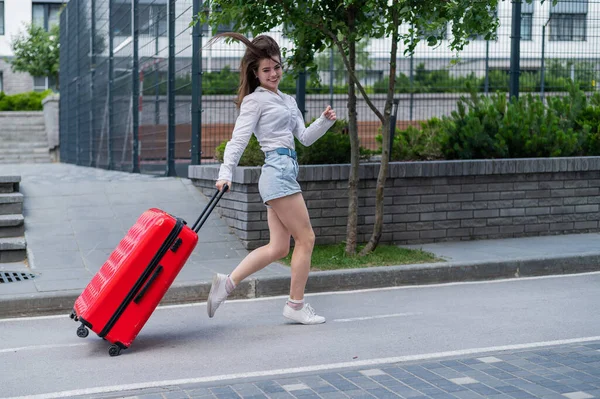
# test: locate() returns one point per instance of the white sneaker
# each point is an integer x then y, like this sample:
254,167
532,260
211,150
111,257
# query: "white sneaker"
306,315
217,294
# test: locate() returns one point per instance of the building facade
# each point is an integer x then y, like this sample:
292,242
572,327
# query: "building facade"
15,15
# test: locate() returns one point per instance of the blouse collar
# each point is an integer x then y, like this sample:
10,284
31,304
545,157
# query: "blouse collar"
260,88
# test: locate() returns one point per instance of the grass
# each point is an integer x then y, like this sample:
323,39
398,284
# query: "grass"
333,257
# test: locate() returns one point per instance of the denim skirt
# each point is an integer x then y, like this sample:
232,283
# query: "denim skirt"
278,177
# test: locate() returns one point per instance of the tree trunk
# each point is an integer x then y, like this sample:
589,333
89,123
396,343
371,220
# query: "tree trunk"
352,226
385,146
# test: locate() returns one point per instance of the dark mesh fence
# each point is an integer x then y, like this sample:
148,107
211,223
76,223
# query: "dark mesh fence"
146,98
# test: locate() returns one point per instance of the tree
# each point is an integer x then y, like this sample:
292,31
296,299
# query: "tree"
314,26
37,52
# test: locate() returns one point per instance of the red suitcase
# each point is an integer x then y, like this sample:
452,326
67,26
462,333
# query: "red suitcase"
123,294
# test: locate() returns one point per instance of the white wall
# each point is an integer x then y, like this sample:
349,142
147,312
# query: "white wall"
17,13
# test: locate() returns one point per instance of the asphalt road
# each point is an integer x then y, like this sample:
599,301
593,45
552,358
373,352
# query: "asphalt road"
180,344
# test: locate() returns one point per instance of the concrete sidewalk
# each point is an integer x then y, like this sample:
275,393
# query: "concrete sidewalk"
75,216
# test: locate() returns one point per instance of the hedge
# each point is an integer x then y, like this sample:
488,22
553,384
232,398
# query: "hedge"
492,127
29,101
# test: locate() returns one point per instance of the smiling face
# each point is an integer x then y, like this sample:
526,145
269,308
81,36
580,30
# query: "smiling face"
269,74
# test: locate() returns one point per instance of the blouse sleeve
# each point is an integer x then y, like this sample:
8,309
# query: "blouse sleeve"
244,127
308,135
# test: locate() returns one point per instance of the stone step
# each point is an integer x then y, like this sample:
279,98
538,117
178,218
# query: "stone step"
25,150
29,120
11,203
12,225
9,126
14,134
15,117
12,249
9,184
23,128
25,143
22,160
25,158
11,220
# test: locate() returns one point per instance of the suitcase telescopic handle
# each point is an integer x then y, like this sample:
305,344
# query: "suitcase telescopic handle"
209,208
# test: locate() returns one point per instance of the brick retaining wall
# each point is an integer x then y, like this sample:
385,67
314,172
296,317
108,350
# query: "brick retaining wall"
430,201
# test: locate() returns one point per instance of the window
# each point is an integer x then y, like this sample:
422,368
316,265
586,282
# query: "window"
152,19
1,18
526,24
41,83
568,20
568,27
46,15
1,83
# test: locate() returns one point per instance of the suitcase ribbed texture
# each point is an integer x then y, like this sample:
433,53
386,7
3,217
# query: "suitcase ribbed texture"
119,256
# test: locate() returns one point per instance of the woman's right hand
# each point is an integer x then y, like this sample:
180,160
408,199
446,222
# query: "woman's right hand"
221,183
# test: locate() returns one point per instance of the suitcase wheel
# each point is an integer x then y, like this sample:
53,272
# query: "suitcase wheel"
82,332
114,350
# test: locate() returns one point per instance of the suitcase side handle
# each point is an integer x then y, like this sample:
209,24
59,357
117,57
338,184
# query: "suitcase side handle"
144,289
209,208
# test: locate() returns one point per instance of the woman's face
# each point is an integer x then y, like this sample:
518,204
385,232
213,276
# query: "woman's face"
269,74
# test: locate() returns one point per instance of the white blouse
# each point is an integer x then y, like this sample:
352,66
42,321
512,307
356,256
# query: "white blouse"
274,119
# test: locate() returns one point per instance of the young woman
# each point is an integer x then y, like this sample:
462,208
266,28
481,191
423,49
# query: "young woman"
275,119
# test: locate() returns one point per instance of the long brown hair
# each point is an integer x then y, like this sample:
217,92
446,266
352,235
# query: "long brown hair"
259,48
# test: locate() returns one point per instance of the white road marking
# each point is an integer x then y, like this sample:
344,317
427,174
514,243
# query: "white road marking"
35,318
383,316
463,381
489,359
304,369
349,292
38,347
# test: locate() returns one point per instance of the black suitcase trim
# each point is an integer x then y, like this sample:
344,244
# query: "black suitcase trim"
147,272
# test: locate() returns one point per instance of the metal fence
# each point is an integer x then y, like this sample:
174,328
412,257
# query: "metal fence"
137,93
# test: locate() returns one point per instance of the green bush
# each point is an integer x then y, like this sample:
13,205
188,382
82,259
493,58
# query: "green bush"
332,148
492,127
29,101
252,156
414,144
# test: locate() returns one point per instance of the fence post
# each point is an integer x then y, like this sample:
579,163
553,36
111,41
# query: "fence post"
156,77
77,79
486,88
196,87
515,49
171,93
331,80
64,87
135,80
543,67
109,93
393,119
92,162
412,81
301,92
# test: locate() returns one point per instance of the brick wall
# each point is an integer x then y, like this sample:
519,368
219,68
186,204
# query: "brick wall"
14,82
430,201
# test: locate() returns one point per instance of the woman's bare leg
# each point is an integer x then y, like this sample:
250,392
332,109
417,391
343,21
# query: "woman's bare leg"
293,215
277,248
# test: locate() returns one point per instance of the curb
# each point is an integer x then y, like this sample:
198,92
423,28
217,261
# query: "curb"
338,280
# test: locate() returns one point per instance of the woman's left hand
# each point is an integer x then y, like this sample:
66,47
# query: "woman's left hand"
329,113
